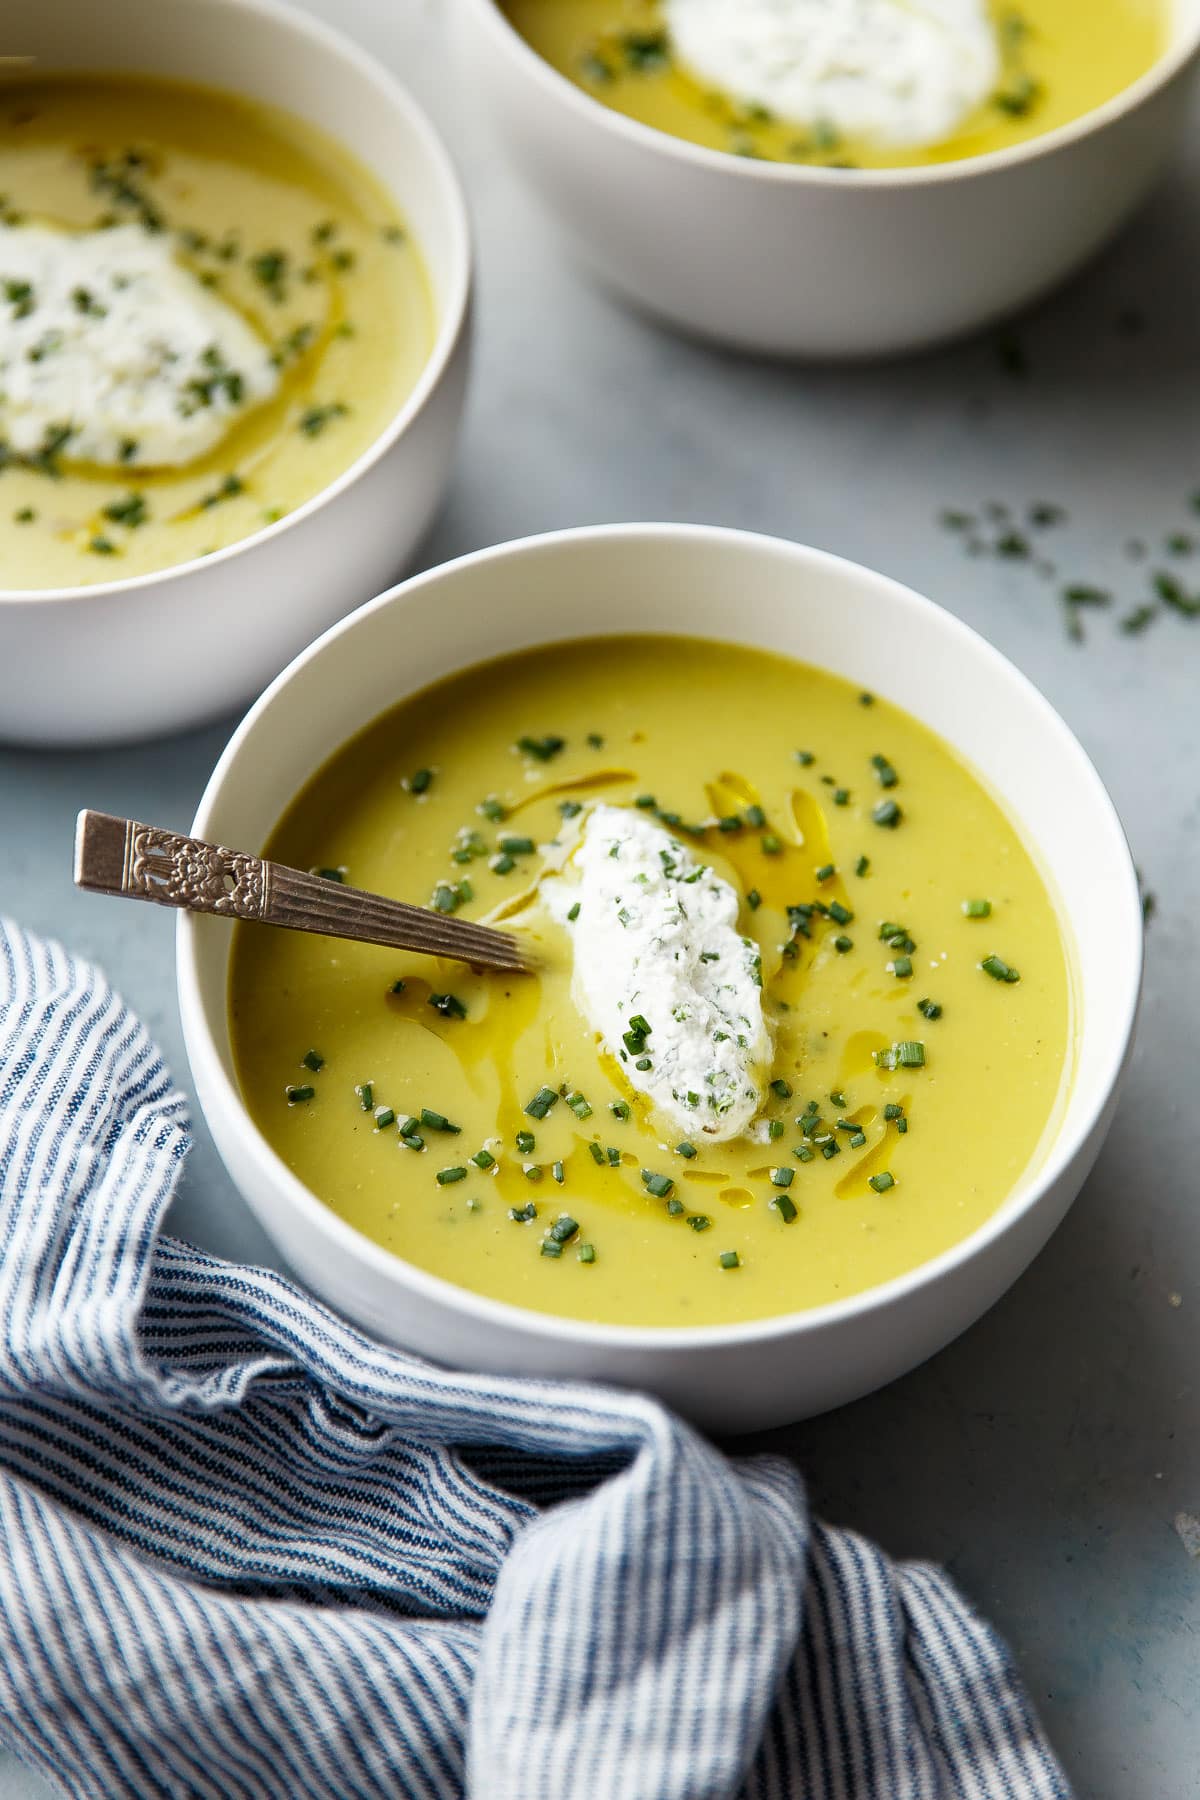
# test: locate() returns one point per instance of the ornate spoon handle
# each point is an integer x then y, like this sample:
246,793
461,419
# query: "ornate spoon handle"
144,862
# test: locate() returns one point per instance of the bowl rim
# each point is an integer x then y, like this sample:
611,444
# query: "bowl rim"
1035,1184
450,317
1161,72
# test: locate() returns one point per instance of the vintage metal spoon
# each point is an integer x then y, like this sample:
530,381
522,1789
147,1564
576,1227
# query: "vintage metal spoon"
142,862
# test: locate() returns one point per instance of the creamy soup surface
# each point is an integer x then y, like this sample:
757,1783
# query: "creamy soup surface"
208,311
804,1016
848,83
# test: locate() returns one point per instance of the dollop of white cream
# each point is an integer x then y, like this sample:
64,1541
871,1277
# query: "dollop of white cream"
656,939
899,73
106,333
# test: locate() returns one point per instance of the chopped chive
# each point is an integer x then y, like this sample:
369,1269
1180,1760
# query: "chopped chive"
542,1101
522,1215
587,1253
564,1228
841,796
366,1096
803,1152
384,1116
437,1121
887,813
774,1129
733,822
910,1054
647,802
445,1177
570,809
675,1207
491,808
826,871
884,772
312,1059
782,1178
699,1221
862,865
551,1247
837,1098
977,909
398,987
857,1139
517,846
596,1153
785,1206
881,1182
754,899
841,915
780,1087
729,1259
643,1063
771,845
557,1171
573,914
930,1009
613,1155
619,1109
685,1149
658,1185
755,817
449,1005
525,1142
420,781
483,1159
579,1106
901,967
892,1111
532,1171
805,758
595,741
842,944
998,969
830,1149
541,749
297,1096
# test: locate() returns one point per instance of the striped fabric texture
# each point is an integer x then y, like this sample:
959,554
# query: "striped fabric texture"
247,1552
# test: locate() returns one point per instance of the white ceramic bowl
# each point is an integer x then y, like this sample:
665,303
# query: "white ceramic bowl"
128,659
629,579
822,263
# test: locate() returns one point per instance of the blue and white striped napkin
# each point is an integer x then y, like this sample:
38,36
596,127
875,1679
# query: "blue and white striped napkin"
246,1552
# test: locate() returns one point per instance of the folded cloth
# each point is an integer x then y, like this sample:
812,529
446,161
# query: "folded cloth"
246,1551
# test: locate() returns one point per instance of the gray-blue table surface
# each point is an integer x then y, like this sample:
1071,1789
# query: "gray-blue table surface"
1051,1457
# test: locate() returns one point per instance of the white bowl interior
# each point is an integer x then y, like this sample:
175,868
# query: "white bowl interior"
732,586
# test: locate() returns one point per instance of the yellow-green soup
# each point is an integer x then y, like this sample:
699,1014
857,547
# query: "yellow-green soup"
1058,59
272,217
918,990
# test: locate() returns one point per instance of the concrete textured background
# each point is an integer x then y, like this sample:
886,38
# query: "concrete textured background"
1045,1456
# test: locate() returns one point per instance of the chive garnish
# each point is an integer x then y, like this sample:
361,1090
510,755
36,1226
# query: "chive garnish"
998,969
881,1182
557,1171
887,813
502,864
675,1207
449,1005
596,1153
542,1101
910,1054
397,987
785,1206
517,846
826,872
830,1148
564,1228
755,817
841,915
862,865
780,1087
774,1129
977,909
312,1059
366,1096
782,1178
587,1253
658,1185
885,774
729,1259
525,1142
437,1121
541,749
803,1152
901,967
446,1176
619,1109
573,914
420,782
613,1155
685,1149
771,845
842,944
841,796
492,809
532,1171
643,1063
551,1247
837,1098
483,1159
805,758
930,1009
296,1096
579,1106
522,1215
754,899
699,1221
